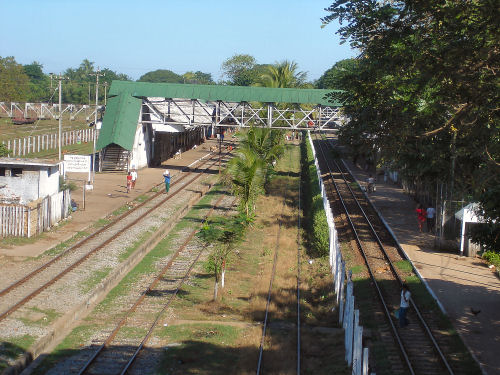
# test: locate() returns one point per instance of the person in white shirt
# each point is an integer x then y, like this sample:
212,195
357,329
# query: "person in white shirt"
403,307
134,177
431,218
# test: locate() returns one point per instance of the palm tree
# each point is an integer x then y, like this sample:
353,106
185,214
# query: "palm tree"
246,172
283,74
266,143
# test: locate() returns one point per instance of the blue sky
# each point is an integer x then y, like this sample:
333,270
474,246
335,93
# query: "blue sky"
135,37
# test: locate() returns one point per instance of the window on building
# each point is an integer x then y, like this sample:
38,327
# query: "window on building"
2,171
16,172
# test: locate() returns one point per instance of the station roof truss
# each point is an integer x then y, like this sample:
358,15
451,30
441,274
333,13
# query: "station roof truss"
189,105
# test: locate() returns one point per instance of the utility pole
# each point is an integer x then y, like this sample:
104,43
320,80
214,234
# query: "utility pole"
97,74
105,92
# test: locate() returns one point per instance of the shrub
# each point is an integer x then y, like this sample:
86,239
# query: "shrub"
316,226
492,258
3,150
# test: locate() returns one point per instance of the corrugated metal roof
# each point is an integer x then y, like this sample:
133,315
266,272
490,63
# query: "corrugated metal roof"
120,121
225,93
125,98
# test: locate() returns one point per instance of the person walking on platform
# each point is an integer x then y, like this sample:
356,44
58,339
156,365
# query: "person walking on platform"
403,306
134,177
421,216
431,213
166,177
370,184
129,181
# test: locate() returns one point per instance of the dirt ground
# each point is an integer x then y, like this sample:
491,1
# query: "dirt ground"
109,194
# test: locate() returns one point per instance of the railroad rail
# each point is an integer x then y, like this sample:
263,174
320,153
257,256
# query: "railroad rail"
273,273
169,280
419,350
28,287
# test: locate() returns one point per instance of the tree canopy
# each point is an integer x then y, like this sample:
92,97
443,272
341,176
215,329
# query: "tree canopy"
333,77
161,75
242,70
424,91
14,82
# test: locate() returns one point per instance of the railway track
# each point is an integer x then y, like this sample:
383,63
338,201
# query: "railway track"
265,324
419,351
39,280
119,353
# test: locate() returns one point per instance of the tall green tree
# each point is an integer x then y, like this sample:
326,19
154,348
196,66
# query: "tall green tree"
14,83
239,70
39,83
333,78
424,90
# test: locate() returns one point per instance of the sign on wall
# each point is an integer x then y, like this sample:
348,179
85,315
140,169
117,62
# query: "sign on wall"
77,163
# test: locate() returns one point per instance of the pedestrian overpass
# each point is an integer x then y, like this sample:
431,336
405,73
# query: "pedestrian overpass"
150,121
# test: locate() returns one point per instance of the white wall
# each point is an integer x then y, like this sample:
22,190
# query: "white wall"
49,181
139,151
31,185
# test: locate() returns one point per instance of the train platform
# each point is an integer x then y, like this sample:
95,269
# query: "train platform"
461,284
108,194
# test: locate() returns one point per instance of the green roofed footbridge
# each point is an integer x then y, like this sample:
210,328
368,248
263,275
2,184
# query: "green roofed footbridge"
146,123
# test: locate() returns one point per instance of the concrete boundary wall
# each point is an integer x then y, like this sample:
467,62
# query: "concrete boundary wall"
356,356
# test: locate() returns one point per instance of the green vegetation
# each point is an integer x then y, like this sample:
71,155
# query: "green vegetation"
316,226
135,245
95,278
492,258
223,233
3,150
14,347
28,83
39,317
282,74
66,184
250,169
167,76
423,97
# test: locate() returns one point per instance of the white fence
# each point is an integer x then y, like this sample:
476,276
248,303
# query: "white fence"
38,143
27,221
355,355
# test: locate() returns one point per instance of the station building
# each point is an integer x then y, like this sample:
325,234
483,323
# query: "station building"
30,200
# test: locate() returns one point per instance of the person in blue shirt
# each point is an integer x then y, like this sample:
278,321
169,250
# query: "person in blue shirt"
166,176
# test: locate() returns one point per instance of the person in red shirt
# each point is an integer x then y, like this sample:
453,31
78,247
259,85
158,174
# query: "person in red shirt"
421,216
129,181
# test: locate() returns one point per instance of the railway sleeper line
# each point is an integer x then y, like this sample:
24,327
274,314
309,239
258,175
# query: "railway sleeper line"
396,254
17,290
419,349
118,353
265,324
